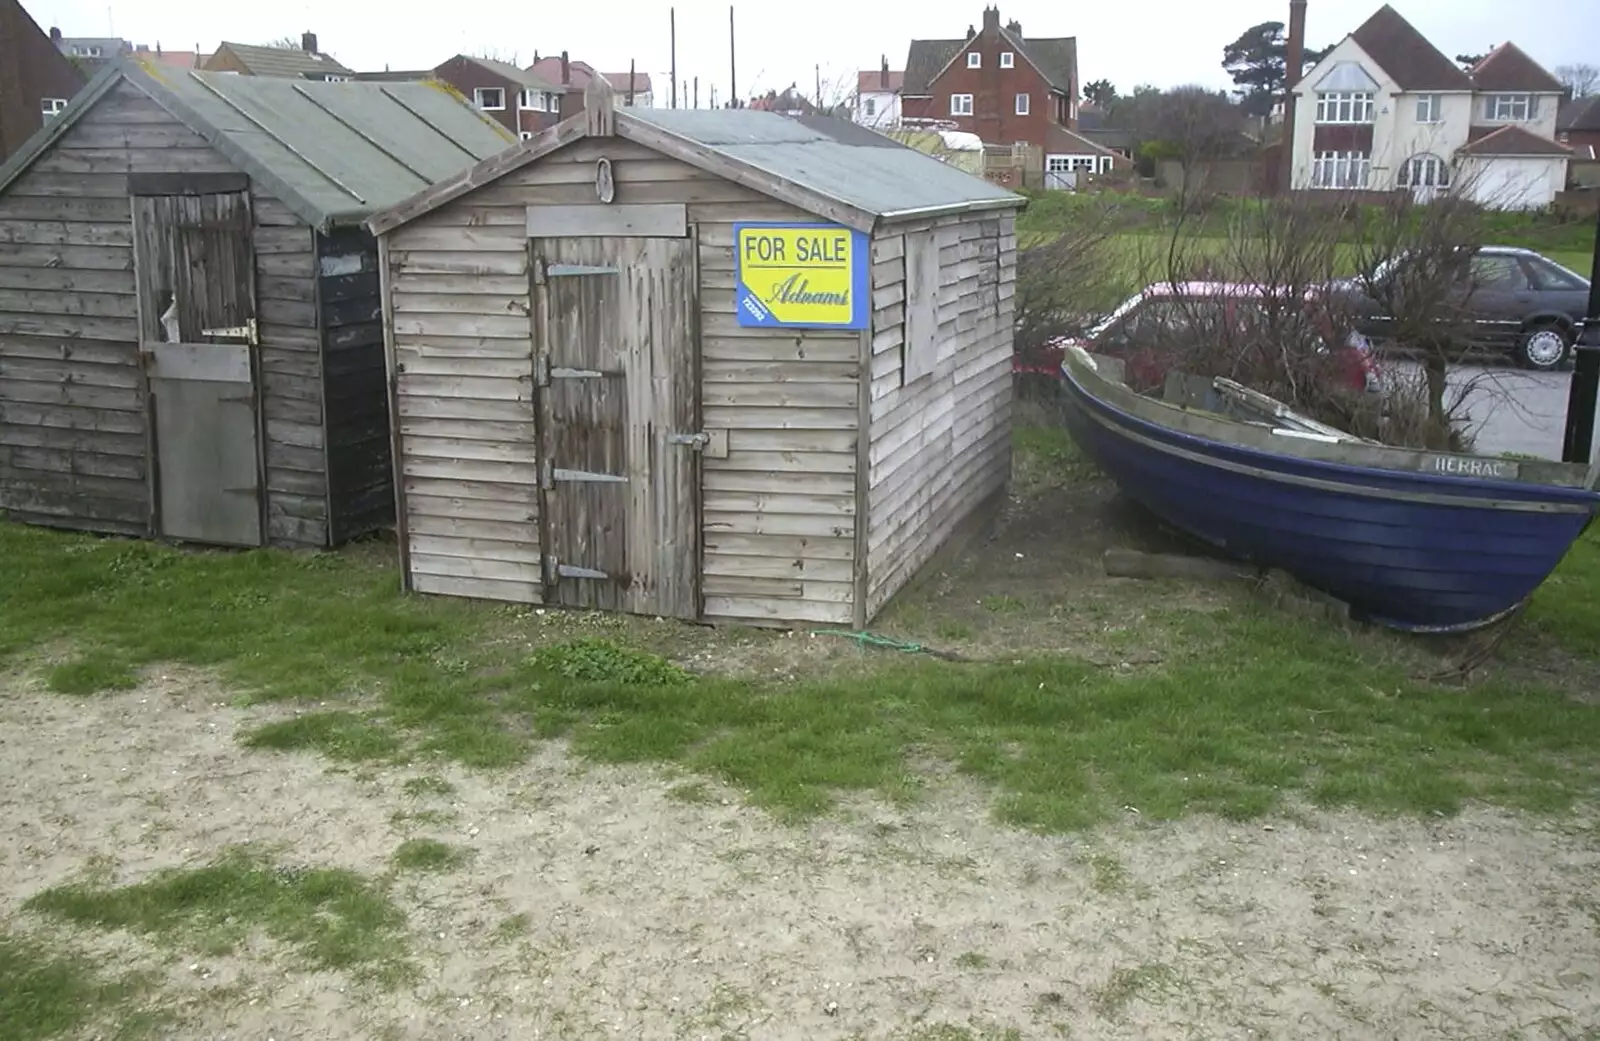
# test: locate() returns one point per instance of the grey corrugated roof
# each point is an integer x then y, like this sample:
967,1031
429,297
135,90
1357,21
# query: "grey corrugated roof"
832,157
335,153
284,61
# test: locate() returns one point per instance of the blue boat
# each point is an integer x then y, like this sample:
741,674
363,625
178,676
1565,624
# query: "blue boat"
1414,540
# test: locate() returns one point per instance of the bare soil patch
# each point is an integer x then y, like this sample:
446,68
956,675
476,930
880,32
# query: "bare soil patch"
601,901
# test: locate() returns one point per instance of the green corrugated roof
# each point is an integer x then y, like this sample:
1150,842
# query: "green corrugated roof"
335,153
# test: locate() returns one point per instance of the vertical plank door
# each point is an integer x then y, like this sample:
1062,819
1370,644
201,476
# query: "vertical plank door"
619,414
195,268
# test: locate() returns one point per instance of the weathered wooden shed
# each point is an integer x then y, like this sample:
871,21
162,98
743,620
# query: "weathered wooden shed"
191,342
719,365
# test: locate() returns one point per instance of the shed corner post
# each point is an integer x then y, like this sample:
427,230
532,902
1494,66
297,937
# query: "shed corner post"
861,575
396,439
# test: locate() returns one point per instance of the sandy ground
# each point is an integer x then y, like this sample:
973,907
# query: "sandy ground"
650,917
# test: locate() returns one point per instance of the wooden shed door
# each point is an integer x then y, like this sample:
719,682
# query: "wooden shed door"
618,413
195,268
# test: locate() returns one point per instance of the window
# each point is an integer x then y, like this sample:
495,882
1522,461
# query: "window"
552,102
86,51
961,104
1341,169
1022,104
870,106
1498,272
531,100
331,78
1008,60
1428,109
525,134
1106,163
1424,171
974,60
1349,107
490,99
1550,275
50,107
1510,108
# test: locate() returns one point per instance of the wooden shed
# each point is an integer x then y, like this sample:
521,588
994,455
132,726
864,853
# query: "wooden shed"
191,341
720,365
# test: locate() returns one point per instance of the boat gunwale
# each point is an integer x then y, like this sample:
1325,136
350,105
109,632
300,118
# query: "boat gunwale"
1569,480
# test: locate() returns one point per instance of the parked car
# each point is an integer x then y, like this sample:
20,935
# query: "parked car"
1209,328
1506,300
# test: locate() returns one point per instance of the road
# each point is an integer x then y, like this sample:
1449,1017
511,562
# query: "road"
1512,410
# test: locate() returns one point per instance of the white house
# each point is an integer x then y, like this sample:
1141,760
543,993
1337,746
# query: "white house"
878,97
1386,110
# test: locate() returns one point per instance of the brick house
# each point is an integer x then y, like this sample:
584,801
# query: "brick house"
1578,127
520,100
36,79
1007,89
574,76
304,62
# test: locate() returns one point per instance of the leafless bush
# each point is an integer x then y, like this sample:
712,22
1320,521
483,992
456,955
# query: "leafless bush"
1068,282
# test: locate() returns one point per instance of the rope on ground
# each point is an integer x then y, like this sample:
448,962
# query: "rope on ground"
866,639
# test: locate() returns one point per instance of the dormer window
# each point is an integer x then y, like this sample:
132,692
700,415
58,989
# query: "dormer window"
1344,107
974,60
1510,108
489,99
1008,60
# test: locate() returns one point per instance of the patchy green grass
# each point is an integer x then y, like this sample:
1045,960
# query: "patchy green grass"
971,960
1125,985
1266,708
349,736
513,927
429,855
331,918
46,992
1567,607
91,673
420,787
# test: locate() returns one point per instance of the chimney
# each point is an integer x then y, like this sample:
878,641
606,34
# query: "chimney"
536,57
55,35
883,73
1014,27
308,43
991,18
971,32
566,70
1294,68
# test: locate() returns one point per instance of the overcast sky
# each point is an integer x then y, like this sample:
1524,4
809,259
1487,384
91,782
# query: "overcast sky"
1165,42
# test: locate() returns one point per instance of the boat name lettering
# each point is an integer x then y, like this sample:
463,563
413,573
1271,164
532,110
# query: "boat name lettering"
1463,466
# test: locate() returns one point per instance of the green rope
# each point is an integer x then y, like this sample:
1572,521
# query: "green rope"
866,639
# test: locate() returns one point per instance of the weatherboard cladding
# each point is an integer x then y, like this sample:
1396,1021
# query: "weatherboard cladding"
333,152
832,157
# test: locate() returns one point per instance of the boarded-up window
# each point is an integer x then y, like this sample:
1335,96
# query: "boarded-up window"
922,306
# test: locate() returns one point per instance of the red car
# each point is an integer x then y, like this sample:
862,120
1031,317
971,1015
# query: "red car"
1211,329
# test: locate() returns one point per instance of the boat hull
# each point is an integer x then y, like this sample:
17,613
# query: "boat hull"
1409,551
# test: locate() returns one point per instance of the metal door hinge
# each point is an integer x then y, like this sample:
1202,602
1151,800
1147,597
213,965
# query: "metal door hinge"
245,332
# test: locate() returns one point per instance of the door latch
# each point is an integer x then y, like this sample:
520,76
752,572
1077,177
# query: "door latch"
695,441
713,444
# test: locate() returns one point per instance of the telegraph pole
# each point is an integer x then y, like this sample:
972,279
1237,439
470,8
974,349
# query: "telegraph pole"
672,21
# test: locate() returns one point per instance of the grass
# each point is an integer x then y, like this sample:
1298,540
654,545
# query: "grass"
419,787
331,918
46,993
1261,709
429,855
91,673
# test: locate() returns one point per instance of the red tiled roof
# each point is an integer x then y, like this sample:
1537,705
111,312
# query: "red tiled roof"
176,59
1406,55
619,80
1510,140
1508,68
870,81
549,70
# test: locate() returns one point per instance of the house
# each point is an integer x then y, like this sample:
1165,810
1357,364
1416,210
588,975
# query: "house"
190,331
878,97
632,89
1007,89
303,63
520,100
790,103
1094,126
1578,126
770,365
90,53
36,80
1385,110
